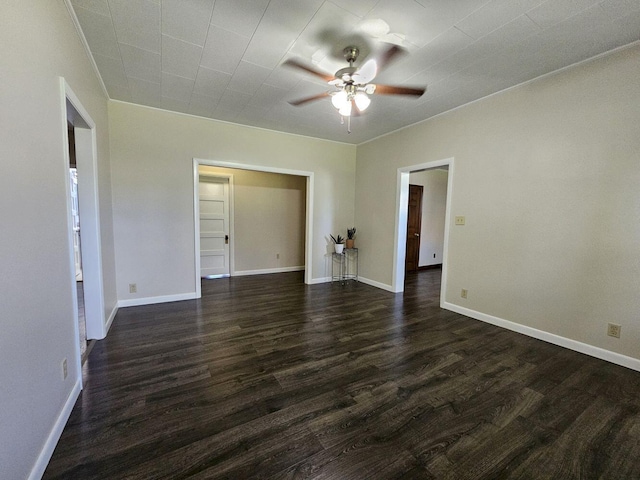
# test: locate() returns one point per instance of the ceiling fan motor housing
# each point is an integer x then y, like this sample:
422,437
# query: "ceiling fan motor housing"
351,54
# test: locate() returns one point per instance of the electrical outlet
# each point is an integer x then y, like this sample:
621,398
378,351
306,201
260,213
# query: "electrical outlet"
460,220
133,288
434,255
64,369
613,330
463,293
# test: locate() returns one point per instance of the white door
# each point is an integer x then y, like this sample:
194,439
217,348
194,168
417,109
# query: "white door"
214,226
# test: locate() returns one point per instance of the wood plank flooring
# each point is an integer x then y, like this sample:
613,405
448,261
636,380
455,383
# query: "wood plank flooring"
266,377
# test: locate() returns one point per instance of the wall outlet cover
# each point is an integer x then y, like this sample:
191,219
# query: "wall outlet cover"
613,330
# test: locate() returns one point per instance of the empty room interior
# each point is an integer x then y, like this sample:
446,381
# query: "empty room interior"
176,307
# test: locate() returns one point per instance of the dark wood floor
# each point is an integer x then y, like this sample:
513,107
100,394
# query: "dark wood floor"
265,377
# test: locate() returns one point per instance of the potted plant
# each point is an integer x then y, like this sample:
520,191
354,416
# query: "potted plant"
338,243
351,237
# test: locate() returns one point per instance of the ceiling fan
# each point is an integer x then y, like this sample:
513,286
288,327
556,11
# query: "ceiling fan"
353,85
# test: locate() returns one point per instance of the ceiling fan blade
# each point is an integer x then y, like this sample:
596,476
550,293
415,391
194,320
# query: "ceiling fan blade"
296,64
366,73
313,98
390,54
395,90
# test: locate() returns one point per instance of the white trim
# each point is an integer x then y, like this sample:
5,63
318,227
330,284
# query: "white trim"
89,204
317,281
109,321
77,363
308,259
196,227
85,44
54,435
373,283
236,124
265,271
400,237
597,352
135,302
308,277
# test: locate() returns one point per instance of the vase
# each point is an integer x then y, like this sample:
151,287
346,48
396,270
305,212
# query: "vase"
350,243
339,247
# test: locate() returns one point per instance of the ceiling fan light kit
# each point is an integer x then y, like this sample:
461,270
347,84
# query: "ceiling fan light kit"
353,84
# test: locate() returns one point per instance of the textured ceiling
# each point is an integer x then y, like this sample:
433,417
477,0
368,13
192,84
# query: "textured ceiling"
223,58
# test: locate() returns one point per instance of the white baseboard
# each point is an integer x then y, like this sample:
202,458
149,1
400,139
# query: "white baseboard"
52,440
267,270
112,315
135,302
317,281
597,352
373,283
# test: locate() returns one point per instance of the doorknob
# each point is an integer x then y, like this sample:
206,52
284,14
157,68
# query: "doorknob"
417,234
226,239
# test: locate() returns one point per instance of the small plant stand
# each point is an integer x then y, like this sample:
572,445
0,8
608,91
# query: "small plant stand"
344,266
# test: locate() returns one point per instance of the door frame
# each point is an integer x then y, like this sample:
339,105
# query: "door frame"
88,201
232,265
308,255
400,237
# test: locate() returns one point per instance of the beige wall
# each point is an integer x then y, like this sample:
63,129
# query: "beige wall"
434,199
39,44
269,219
547,175
152,176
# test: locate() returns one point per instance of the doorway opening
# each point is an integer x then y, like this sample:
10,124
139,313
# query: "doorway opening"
432,227
302,210
82,212
77,244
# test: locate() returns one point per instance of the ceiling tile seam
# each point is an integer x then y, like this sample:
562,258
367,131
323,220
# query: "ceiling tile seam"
434,64
80,7
241,57
526,14
304,28
599,4
115,33
604,10
250,38
498,28
146,81
175,75
354,13
85,44
457,28
201,55
487,2
139,48
182,41
452,74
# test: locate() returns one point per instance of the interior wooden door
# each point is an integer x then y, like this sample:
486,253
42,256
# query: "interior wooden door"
414,224
214,227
